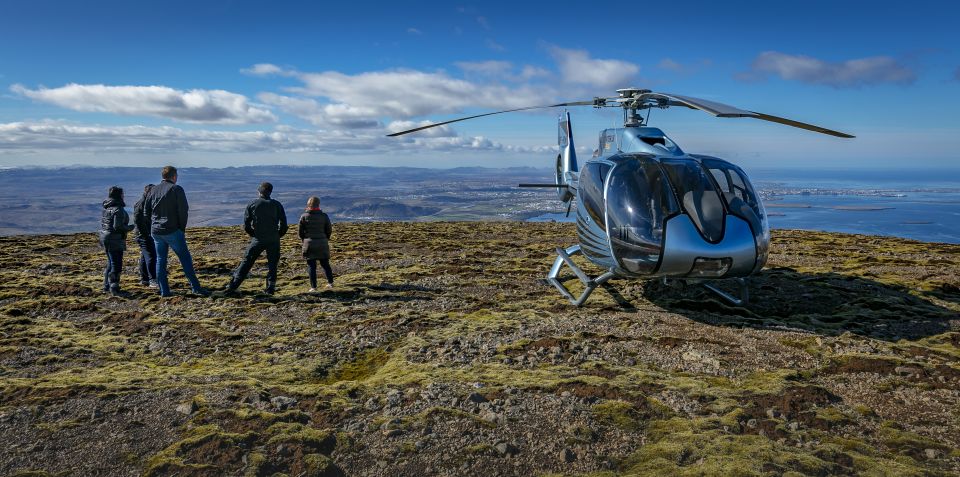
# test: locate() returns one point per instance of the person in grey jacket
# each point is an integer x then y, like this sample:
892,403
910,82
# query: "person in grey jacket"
114,226
265,222
315,231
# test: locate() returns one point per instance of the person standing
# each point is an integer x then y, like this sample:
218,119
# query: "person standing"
114,225
148,250
265,222
166,205
315,231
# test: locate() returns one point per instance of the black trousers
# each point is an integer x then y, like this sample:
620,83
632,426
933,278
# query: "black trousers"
254,250
148,259
312,268
111,273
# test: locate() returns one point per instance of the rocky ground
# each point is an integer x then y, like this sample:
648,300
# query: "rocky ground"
441,351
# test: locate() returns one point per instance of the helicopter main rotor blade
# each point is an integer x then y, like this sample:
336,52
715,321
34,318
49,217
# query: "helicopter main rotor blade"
726,111
428,126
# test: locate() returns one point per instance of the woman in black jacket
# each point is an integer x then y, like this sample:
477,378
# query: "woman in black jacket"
114,226
315,230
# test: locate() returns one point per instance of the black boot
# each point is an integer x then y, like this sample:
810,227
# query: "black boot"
271,287
233,287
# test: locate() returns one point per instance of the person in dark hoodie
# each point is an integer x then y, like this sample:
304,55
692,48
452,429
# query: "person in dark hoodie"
114,226
265,222
166,205
315,231
148,250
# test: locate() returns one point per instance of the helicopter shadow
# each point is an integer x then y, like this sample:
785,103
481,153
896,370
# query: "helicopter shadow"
823,303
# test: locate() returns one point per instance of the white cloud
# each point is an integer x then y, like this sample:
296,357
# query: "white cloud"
849,73
263,69
31,137
486,68
501,70
197,105
404,94
324,115
576,66
414,31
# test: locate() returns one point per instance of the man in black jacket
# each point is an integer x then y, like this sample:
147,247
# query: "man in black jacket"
166,205
265,222
148,251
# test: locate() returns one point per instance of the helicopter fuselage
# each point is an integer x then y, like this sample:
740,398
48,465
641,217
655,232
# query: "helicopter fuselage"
645,208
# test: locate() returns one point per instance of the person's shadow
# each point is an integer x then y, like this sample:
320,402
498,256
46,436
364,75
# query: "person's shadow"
823,303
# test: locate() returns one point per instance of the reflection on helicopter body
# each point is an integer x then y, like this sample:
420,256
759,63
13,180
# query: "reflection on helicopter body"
685,216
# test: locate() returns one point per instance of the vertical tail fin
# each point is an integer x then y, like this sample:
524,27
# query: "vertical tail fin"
567,159
565,140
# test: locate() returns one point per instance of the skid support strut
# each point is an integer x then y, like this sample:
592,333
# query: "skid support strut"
591,284
744,292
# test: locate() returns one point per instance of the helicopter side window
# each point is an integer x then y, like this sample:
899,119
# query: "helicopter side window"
733,185
638,203
591,191
721,177
737,192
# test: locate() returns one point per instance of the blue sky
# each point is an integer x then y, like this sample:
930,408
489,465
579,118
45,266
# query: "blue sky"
223,83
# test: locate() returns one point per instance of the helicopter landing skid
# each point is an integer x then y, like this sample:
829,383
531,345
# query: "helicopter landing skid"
741,282
591,284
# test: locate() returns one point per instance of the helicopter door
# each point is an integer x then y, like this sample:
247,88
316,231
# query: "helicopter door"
638,203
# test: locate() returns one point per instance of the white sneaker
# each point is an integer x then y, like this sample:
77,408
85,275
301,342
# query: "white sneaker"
313,290
329,285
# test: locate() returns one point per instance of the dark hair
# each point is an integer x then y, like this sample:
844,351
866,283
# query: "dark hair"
148,188
265,189
115,193
168,172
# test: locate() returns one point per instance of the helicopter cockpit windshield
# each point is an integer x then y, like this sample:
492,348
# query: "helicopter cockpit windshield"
638,201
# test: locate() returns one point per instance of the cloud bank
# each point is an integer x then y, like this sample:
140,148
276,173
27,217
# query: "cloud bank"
845,74
19,137
196,105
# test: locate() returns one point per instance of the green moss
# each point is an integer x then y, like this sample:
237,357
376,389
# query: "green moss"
170,459
620,414
361,368
478,449
699,447
832,415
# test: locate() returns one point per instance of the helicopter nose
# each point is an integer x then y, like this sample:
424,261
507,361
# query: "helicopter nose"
686,253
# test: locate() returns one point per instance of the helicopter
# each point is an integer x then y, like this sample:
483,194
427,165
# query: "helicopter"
646,209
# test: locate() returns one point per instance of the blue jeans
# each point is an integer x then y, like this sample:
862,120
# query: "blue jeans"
178,242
